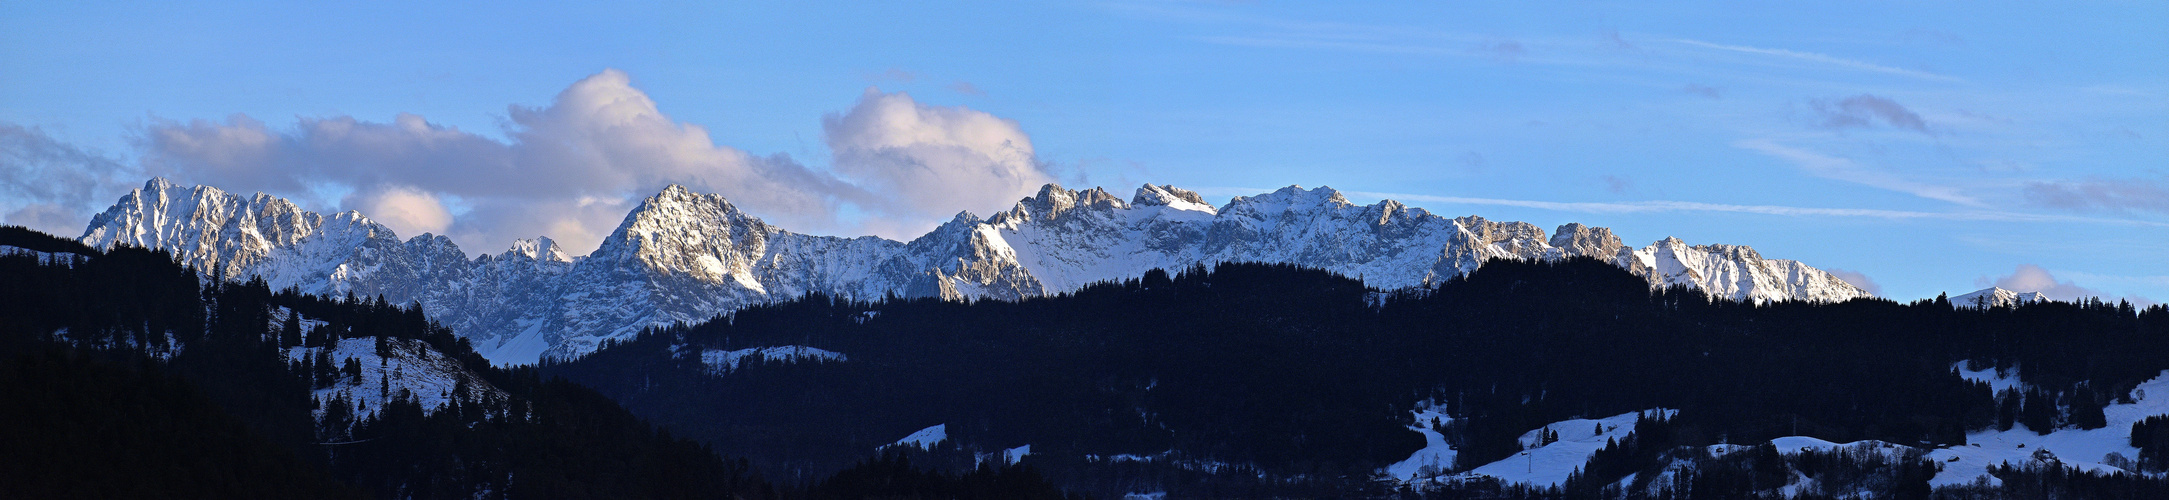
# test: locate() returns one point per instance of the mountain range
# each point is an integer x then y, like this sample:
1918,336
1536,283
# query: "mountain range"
682,257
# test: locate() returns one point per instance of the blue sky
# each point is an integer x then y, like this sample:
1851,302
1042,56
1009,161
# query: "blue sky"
1929,146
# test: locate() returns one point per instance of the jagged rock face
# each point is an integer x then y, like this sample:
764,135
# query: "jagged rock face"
1994,297
1739,273
684,257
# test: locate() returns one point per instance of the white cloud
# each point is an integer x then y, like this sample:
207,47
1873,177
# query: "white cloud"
406,210
1821,59
1858,279
571,169
929,161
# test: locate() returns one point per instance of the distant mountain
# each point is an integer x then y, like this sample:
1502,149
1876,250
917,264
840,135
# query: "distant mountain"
684,257
1994,297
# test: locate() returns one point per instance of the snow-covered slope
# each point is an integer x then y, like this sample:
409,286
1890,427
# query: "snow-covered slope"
1993,297
1539,463
684,257
2105,450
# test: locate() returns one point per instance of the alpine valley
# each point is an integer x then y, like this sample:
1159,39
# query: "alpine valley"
684,257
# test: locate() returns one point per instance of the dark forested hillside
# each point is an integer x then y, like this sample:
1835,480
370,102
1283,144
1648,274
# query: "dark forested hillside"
125,375
137,379
1255,379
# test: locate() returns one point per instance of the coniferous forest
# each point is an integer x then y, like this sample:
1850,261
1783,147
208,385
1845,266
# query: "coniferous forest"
123,374
1264,380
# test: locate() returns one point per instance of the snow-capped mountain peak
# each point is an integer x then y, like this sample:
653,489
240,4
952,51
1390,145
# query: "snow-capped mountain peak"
683,256
540,248
1994,297
1171,197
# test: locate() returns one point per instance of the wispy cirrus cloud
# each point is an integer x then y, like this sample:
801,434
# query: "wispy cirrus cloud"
1820,59
2102,195
1844,169
1668,206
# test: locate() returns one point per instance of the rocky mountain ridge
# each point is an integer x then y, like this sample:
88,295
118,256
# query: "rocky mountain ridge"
682,256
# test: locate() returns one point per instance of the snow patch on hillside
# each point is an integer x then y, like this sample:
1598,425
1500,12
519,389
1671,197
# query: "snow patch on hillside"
925,439
413,368
1436,457
1550,464
1541,464
1997,380
2078,449
60,259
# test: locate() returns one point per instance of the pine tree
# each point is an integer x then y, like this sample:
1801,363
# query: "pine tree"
2086,411
290,331
2007,408
325,371
352,369
2038,412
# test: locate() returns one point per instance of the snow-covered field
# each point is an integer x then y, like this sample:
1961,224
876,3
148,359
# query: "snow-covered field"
2098,451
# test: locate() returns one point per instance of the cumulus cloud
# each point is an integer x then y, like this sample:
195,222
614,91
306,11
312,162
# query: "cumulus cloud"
405,209
2109,195
1858,279
571,169
1865,110
55,185
930,161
